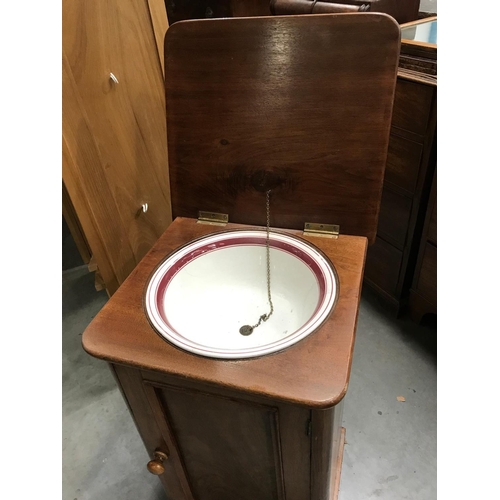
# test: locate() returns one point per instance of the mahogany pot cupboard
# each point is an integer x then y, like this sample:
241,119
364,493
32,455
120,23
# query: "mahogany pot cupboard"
270,427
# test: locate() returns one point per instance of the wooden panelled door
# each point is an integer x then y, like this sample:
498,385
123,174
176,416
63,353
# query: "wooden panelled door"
115,166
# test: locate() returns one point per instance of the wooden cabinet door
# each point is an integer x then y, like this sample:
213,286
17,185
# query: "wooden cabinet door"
115,166
224,445
230,449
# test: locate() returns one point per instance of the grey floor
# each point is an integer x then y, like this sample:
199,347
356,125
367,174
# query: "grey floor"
391,446
428,5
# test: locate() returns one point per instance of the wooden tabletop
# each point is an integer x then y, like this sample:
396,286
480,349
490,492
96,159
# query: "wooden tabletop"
313,373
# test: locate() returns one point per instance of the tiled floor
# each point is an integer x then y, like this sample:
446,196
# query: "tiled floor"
391,446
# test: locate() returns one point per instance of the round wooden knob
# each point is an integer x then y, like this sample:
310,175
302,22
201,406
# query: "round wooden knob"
156,466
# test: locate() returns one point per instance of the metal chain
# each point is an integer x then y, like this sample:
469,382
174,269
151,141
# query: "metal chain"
248,329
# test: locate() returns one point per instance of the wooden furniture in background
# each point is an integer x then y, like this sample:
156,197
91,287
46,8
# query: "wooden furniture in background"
423,293
114,158
419,47
403,11
411,163
300,105
181,10
296,7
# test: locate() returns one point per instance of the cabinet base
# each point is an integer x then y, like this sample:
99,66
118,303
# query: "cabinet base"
419,306
389,303
337,468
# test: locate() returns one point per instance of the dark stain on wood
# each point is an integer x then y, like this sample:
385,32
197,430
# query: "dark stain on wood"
240,179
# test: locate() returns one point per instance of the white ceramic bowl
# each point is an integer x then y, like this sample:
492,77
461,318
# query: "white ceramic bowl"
202,294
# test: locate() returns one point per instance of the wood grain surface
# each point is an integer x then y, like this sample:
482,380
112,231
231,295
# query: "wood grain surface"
297,104
312,373
292,427
114,153
285,433
230,448
159,22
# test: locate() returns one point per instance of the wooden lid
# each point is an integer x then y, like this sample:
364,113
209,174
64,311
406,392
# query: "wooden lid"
298,104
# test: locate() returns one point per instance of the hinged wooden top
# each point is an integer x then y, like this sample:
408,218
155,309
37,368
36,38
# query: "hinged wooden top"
301,105
313,372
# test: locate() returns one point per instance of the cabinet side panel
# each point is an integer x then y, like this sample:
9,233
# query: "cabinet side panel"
230,448
325,443
294,424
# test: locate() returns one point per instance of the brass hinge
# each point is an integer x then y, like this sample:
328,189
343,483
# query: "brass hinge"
212,218
325,230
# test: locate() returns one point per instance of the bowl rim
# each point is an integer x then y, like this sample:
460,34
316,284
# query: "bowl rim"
251,352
